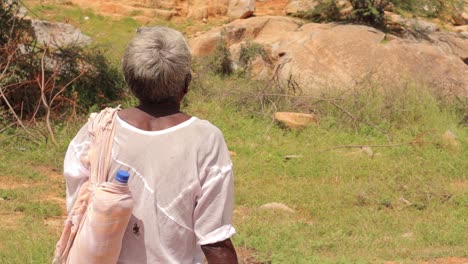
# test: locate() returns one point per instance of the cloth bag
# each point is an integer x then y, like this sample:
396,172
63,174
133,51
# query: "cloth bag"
95,226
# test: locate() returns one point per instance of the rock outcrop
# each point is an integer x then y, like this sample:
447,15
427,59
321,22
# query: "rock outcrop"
241,9
299,5
460,18
336,55
166,9
59,34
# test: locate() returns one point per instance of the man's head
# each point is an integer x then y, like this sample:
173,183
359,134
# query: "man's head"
156,64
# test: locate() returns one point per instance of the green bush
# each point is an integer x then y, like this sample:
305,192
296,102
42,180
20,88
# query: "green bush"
220,62
99,81
102,82
369,11
248,52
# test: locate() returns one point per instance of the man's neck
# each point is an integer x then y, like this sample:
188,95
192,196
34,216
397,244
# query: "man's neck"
159,109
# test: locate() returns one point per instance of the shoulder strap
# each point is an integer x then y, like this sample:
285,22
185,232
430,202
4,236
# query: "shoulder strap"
101,130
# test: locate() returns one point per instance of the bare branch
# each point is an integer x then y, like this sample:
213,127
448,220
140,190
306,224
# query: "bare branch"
42,86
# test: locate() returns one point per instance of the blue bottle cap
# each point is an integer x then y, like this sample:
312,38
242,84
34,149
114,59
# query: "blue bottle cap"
122,176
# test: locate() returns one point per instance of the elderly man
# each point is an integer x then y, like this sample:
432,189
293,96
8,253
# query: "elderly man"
181,173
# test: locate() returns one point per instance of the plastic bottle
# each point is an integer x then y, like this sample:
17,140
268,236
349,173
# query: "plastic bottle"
107,218
122,177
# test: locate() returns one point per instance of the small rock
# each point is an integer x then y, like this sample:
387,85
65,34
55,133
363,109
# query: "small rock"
407,235
299,5
204,20
460,18
345,8
289,157
368,151
421,26
22,12
241,9
403,200
450,139
296,120
277,206
86,18
461,29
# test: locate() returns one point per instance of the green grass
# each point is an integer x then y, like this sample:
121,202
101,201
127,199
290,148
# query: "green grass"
406,203
30,199
349,208
29,241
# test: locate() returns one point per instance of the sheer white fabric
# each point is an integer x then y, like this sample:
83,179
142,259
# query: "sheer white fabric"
181,181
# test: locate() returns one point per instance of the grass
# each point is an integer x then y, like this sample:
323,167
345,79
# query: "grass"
349,207
30,201
407,203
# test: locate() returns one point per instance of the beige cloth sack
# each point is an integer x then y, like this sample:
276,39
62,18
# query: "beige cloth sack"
96,224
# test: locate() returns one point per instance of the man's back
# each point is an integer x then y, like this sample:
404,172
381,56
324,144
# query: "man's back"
172,170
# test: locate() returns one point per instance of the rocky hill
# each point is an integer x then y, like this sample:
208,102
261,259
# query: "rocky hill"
317,55
342,55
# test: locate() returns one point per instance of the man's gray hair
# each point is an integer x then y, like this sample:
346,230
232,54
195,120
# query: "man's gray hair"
156,64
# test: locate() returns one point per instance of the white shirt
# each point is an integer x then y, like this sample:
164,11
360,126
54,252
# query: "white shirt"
182,184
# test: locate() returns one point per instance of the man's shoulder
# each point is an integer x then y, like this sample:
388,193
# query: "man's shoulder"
207,127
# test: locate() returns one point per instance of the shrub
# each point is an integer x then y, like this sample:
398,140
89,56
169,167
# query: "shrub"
102,83
220,62
75,78
369,11
248,52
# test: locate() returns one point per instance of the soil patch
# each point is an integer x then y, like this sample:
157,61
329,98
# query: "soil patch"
448,260
10,183
11,220
247,256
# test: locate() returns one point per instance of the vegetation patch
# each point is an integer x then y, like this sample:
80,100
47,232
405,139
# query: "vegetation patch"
372,12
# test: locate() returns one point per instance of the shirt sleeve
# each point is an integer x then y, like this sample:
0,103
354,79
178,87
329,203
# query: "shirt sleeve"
214,207
73,170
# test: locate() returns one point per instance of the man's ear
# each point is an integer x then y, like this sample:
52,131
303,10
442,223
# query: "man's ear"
188,79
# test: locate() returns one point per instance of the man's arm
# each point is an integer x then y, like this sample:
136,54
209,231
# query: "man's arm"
220,253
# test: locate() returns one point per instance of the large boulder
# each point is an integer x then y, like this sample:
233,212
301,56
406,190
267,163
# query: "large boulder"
317,56
295,6
241,8
59,34
460,17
